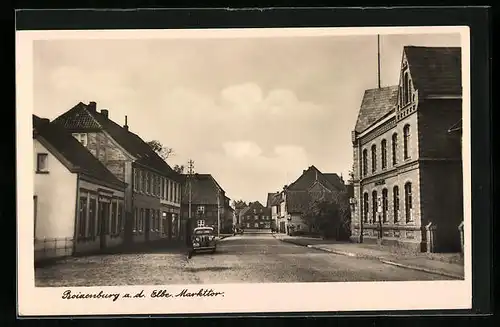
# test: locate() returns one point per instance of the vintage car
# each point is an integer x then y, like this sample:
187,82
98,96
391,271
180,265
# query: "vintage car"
204,239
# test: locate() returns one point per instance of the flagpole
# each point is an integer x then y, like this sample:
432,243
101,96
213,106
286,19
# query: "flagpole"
378,59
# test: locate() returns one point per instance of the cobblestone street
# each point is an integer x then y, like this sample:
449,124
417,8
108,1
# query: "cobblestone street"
239,259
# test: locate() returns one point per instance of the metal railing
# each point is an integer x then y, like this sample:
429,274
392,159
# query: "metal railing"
46,248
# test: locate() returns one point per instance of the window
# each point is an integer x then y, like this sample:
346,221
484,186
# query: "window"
374,158
394,149
365,162
152,221
114,209
395,193
136,180
136,220
256,225
200,223
408,202
200,210
81,137
162,190
82,232
170,191
385,205
254,210
41,163
158,221
365,207
374,206
141,221
142,181
92,217
383,146
406,141
256,217
248,225
151,188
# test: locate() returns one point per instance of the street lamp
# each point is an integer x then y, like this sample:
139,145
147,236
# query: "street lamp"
352,203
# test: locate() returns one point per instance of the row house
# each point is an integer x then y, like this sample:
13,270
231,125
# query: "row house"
78,203
255,216
291,203
407,166
209,203
153,194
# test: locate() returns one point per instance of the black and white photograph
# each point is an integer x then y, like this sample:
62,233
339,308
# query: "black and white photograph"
201,167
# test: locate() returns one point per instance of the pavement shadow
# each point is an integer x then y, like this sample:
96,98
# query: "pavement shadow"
200,269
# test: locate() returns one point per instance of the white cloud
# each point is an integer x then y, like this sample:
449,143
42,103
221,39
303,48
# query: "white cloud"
242,149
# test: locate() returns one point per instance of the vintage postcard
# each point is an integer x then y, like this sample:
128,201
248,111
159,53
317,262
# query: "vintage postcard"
243,170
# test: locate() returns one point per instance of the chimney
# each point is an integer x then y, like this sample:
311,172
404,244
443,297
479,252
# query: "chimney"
105,113
92,106
125,126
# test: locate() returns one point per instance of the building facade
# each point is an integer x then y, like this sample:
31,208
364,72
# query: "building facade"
152,197
274,203
407,167
209,203
255,216
78,203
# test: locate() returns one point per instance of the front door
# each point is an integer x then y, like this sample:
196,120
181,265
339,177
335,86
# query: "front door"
103,223
147,226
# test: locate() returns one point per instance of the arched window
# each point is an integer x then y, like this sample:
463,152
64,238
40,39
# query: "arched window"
365,207
408,203
385,205
374,158
394,149
395,192
383,149
406,141
365,162
374,206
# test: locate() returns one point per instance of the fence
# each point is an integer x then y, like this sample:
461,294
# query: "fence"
48,248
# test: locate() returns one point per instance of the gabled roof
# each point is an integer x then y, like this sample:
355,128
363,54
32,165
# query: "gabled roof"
204,190
78,158
299,201
312,175
435,71
86,118
273,199
376,104
257,206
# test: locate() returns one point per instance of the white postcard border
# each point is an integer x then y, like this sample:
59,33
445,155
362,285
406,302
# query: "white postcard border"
238,298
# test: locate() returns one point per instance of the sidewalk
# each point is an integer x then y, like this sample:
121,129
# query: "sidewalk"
449,265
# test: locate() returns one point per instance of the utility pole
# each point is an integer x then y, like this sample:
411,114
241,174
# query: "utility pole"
378,59
190,177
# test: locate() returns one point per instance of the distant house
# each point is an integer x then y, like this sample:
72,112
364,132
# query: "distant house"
152,198
209,204
274,201
256,216
297,197
407,155
78,202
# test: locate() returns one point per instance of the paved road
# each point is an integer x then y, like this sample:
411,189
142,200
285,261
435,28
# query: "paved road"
243,258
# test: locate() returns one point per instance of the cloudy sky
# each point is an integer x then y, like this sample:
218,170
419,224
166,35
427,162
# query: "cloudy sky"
253,112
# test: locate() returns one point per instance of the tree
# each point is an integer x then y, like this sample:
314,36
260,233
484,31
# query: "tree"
329,213
240,204
163,151
179,169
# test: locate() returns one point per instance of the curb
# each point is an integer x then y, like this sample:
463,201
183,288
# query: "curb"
388,262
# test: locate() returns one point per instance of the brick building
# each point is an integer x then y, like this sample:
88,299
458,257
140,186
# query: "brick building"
209,203
152,197
289,205
78,203
255,216
407,167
